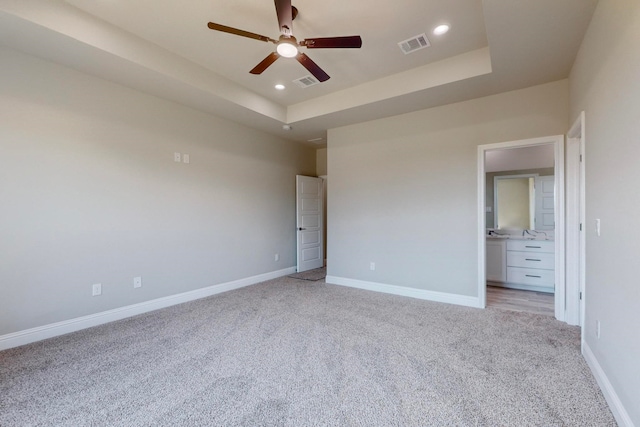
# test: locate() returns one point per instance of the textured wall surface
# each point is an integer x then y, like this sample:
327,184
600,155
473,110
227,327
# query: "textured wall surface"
403,190
91,194
604,84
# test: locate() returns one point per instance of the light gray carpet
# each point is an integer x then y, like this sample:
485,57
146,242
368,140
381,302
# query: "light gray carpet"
312,275
296,353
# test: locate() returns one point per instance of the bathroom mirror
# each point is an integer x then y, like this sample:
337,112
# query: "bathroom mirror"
514,201
524,201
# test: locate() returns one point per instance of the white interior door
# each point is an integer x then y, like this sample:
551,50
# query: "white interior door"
545,203
309,222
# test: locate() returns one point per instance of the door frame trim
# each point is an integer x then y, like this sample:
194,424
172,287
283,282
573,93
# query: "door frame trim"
559,216
576,240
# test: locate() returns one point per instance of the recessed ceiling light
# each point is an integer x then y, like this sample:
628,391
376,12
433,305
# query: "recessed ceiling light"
279,87
441,29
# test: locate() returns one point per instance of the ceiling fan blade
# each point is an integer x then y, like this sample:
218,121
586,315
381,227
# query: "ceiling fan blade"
266,62
237,32
285,16
313,68
354,42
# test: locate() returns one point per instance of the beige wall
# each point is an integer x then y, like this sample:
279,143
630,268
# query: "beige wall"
321,161
321,170
605,83
90,194
403,190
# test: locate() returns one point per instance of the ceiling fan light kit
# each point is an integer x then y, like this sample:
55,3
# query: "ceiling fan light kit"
287,45
287,48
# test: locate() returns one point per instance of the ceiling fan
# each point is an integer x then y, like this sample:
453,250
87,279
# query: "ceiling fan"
287,45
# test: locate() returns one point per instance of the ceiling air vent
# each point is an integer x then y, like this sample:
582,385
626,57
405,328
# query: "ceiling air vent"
414,43
306,81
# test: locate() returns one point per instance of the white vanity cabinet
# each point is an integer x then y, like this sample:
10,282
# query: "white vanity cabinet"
531,265
496,260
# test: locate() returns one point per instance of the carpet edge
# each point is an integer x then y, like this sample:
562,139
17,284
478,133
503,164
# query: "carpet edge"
28,336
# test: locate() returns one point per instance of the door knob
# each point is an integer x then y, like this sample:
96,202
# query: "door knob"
300,228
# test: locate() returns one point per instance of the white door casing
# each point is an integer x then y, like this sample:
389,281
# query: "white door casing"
310,253
576,252
559,218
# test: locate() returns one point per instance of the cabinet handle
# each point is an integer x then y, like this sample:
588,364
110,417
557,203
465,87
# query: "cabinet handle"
531,275
534,247
531,259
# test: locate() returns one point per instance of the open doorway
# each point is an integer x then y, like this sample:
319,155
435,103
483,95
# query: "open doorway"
521,223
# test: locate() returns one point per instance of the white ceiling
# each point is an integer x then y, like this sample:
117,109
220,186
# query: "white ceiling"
165,49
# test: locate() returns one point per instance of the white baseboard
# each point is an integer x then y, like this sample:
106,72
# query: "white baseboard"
28,336
617,408
405,292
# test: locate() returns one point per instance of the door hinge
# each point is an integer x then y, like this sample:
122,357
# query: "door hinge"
580,157
580,296
580,226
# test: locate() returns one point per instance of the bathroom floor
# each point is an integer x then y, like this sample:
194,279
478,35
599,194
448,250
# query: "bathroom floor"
517,300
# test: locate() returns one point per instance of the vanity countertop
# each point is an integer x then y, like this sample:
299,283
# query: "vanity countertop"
515,237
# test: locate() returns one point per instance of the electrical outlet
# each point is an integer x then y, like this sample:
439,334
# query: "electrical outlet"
137,282
185,158
96,289
598,329
177,157
372,266
276,257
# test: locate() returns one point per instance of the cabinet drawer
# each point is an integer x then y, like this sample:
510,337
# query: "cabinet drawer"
542,260
528,276
531,245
